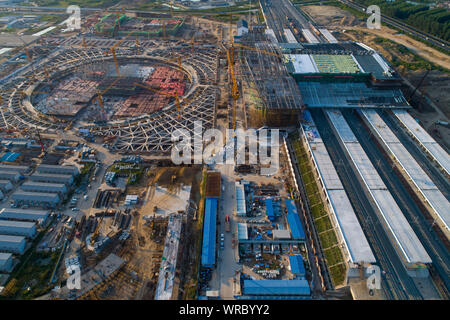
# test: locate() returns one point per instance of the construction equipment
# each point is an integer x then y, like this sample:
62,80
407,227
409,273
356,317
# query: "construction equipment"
418,85
97,229
116,63
177,98
40,142
227,223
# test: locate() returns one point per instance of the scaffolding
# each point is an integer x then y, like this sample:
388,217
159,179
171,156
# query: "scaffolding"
263,67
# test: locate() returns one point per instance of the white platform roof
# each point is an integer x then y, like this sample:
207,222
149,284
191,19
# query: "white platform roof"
419,133
303,63
348,225
395,221
421,180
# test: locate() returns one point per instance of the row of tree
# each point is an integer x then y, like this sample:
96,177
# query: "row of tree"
434,21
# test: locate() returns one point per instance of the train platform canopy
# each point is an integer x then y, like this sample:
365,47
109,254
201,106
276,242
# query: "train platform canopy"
276,287
416,174
209,233
425,140
401,233
350,95
345,217
297,265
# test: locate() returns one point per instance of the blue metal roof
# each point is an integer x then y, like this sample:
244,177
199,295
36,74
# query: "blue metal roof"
10,156
296,226
209,233
297,266
269,209
290,206
276,287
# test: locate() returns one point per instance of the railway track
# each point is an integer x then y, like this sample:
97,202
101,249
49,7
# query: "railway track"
397,285
421,226
404,27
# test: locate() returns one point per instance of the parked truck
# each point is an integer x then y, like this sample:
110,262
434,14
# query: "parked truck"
227,223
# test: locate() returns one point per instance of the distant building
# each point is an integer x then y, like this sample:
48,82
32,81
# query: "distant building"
67,179
242,27
20,169
12,244
6,262
36,199
11,175
17,228
30,186
58,169
5,185
24,215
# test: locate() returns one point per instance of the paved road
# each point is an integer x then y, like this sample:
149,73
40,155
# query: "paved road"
227,259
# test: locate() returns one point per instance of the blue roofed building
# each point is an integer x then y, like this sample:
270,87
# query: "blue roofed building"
276,287
293,219
269,209
209,233
297,265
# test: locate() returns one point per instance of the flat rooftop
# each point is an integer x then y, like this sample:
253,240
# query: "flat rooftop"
421,135
351,232
394,220
349,95
417,175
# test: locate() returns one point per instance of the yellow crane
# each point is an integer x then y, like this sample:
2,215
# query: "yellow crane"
235,94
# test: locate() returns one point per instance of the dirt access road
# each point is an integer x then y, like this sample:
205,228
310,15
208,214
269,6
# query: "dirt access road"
338,19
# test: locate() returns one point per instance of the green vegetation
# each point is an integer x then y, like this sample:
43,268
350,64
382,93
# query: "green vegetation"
322,222
434,21
30,278
191,289
402,56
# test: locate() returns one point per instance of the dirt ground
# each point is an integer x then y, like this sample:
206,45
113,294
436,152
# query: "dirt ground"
435,86
338,19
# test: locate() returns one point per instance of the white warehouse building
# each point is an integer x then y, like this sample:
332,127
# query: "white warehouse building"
36,199
58,169
67,179
17,228
31,186
6,262
24,214
12,244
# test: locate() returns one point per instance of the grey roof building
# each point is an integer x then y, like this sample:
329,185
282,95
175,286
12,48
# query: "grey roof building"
6,262
24,214
17,228
5,185
12,244
36,199
20,169
57,169
67,179
31,186
10,175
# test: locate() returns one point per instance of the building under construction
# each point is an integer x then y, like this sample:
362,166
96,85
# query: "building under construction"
277,101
